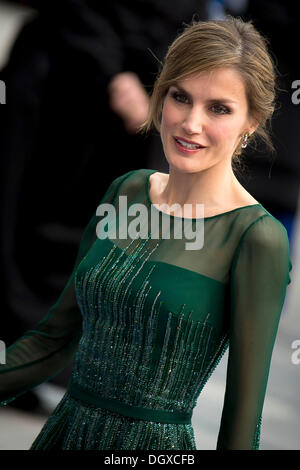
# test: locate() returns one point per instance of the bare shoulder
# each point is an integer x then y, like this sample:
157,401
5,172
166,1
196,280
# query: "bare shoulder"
245,198
241,197
157,182
158,177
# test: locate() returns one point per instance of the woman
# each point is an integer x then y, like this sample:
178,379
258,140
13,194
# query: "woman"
148,318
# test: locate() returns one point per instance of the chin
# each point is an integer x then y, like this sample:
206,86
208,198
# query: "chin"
185,167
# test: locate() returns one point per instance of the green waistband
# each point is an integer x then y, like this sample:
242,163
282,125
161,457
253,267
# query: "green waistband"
137,412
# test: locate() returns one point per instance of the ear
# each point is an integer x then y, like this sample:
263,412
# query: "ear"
253,125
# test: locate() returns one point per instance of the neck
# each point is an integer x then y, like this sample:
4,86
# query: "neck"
214,187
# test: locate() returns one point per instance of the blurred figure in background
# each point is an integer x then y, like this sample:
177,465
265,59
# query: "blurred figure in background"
64,129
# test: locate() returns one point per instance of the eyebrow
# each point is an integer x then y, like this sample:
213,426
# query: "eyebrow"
213,100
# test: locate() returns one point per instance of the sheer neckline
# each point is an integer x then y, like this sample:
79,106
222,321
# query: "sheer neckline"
190,218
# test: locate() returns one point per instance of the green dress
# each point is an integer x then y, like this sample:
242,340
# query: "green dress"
147,320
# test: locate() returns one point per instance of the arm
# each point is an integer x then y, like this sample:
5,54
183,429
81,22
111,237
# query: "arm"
44,351
260,274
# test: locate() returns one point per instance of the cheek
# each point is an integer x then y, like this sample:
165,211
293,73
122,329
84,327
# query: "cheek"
170,116
224,131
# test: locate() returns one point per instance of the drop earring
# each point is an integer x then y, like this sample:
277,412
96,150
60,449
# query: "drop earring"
244,143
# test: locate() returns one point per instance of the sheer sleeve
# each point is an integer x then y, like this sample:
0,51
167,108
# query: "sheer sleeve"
259,277
44,351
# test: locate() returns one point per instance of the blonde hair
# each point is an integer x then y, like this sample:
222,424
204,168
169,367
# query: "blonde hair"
207,45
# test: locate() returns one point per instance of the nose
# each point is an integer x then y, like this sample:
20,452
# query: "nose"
193,122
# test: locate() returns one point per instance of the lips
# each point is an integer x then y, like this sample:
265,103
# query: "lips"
190,148
176,137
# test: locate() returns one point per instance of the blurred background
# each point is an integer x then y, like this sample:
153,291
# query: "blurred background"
78,78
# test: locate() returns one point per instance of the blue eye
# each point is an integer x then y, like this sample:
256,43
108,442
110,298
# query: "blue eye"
179,97
223,108
217,109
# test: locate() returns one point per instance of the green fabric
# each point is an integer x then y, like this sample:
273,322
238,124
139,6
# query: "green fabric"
137,412
147,322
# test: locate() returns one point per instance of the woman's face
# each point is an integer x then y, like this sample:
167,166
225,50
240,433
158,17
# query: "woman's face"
209,109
